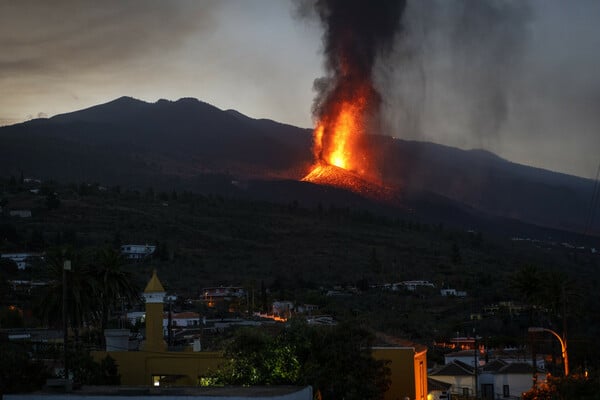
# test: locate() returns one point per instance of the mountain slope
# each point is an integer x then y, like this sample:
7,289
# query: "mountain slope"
174,144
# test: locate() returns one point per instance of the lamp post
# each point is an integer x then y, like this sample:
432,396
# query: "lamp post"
563,344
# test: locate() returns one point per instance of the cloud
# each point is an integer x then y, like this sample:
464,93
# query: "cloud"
69,36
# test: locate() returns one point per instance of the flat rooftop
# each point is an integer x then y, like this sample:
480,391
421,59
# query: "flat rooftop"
133,392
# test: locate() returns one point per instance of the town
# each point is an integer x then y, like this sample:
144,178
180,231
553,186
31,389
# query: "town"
486,349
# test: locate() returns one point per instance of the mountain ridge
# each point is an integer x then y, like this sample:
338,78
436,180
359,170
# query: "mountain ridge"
167,143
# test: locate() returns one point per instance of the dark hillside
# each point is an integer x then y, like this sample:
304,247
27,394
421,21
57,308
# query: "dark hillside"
177,144
301,250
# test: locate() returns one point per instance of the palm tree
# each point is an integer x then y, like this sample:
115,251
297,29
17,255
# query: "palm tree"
81,307
561,296
113,285
528,283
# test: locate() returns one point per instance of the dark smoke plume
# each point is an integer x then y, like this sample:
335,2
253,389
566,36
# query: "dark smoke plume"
356,33
457,69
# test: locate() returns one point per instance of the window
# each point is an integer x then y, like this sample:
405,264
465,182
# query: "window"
505,391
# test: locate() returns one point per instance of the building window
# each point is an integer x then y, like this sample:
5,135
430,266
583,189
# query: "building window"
156,380
465,391
505,391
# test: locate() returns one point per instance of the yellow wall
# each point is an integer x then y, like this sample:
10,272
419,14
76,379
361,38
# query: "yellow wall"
154,328
138,367
408,372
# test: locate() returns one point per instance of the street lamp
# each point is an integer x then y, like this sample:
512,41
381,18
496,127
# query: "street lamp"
563,344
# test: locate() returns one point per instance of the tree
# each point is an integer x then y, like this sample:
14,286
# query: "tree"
456,257
340,364
558,294
11,317
86,371
527,283
112,284
36,241
575,386
52,201
81,290
256,358
18,371
336,360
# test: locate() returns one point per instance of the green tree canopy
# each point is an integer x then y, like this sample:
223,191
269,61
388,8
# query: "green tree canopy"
335,360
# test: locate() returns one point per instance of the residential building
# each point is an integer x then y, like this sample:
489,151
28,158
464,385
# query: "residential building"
408,366
282,308
453,292
137,251
412,285
469,357
501,379
23,260
496,379
212,295
458,374
20,213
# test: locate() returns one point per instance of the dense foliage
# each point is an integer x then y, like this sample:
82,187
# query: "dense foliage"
95,283
335,360
574,387
18,371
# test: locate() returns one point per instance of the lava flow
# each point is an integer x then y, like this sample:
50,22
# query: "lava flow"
340,148
347,105
342,159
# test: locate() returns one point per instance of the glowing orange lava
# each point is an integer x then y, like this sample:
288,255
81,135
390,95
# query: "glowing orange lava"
337,136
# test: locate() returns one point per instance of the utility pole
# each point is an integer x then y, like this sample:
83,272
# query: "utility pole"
476,364
66,267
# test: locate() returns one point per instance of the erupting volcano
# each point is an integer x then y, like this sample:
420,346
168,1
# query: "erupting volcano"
347,105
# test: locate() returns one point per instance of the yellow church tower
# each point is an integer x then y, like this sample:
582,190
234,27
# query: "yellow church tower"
154,295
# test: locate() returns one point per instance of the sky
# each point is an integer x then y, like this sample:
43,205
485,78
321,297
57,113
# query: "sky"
520,78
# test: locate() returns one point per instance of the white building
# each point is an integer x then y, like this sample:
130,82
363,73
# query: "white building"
23,260
178,320
212,294
453,292
282,308
500,379
137,251
20,213
412,285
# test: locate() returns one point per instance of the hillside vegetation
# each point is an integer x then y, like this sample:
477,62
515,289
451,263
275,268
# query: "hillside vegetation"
299,252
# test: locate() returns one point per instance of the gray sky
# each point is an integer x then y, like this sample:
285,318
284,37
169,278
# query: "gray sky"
521,79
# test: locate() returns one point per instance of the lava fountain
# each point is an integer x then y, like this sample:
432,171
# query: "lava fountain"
346,108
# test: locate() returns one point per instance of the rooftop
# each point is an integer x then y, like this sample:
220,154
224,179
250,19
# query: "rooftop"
154,285
189,393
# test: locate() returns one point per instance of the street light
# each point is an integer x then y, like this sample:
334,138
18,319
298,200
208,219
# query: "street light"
563,344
